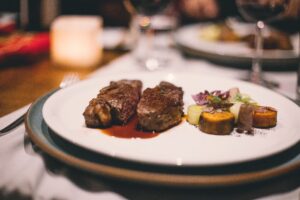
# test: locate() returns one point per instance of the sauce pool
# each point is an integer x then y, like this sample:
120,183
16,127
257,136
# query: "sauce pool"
130,130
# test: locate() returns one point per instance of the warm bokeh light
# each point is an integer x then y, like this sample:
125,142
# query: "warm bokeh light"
145,22
75,41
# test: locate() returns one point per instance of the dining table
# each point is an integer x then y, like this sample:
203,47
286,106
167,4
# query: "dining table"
28,171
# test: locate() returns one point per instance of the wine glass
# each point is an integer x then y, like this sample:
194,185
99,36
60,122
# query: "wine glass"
146,51
260,12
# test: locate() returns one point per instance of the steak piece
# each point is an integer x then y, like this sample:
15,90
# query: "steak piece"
115,104
161,107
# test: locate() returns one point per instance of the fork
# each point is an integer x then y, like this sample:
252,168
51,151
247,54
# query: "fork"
67,80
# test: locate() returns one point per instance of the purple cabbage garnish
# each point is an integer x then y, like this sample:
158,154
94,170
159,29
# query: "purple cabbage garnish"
208,98
201,98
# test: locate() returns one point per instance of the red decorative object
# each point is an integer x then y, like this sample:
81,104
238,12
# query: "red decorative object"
24,47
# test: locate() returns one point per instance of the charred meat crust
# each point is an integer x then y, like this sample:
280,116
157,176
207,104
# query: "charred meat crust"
160,107
115,104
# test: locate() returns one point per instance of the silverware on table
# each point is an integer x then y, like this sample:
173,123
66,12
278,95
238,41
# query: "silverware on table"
68,79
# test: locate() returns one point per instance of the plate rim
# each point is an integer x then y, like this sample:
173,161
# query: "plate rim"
168,163
152,178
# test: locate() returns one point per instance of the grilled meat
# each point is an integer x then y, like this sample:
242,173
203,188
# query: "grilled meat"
276,40
115,104
160,107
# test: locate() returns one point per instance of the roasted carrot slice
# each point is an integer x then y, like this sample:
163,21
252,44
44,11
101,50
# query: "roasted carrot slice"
264,117
217,123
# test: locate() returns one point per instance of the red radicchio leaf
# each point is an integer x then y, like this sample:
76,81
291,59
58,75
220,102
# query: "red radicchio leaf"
201,98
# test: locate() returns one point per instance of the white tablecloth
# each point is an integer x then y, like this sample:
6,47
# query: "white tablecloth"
23,174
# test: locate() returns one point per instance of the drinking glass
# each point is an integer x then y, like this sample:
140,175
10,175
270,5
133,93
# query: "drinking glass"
298,72
260,12
149,49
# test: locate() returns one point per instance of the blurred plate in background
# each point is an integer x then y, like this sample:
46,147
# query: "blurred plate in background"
235,53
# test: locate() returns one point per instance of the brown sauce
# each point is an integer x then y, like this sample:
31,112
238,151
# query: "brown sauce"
130,130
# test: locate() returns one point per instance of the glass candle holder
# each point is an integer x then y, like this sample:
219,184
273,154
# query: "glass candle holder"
75,41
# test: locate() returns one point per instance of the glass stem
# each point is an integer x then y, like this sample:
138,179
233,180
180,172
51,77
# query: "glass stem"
149,35
256,73
298,72
144,47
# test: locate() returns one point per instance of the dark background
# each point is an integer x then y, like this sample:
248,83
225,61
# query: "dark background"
115,14
113,11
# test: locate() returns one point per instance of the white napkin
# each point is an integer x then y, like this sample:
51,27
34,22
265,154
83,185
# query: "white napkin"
23,170
293,195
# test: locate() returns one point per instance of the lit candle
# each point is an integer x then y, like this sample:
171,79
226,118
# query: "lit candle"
75,41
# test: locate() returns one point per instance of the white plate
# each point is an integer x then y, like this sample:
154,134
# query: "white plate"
184,144
190,37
